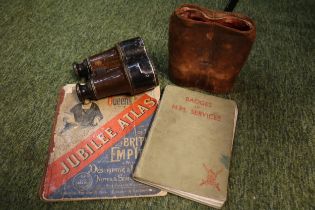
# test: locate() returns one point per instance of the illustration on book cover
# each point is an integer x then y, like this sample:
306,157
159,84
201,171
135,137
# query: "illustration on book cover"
95,146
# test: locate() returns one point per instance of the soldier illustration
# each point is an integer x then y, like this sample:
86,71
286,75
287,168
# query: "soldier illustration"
84,115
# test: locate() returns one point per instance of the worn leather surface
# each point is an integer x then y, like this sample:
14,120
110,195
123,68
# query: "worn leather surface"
207,49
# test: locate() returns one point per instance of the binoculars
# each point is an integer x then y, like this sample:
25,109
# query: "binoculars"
124,69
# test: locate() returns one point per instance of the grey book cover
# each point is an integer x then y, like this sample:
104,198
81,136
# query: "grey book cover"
189,145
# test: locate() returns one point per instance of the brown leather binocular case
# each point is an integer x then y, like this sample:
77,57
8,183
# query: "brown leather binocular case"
207,49
123,69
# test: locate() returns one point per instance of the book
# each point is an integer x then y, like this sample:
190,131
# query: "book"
94,147
189,145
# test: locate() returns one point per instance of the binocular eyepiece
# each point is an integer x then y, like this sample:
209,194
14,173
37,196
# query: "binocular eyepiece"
81,69
124,69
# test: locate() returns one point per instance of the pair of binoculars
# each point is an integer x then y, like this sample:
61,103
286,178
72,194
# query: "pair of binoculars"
124,69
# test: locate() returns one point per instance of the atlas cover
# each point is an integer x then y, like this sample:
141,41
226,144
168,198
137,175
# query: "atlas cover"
188,148
94,147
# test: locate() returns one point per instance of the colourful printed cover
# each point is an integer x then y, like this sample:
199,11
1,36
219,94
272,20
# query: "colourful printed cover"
94,147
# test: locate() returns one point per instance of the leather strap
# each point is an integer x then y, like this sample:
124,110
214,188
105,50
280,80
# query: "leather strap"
230,6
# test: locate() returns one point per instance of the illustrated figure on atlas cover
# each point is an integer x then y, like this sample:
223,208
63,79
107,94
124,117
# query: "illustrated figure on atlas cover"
94,147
